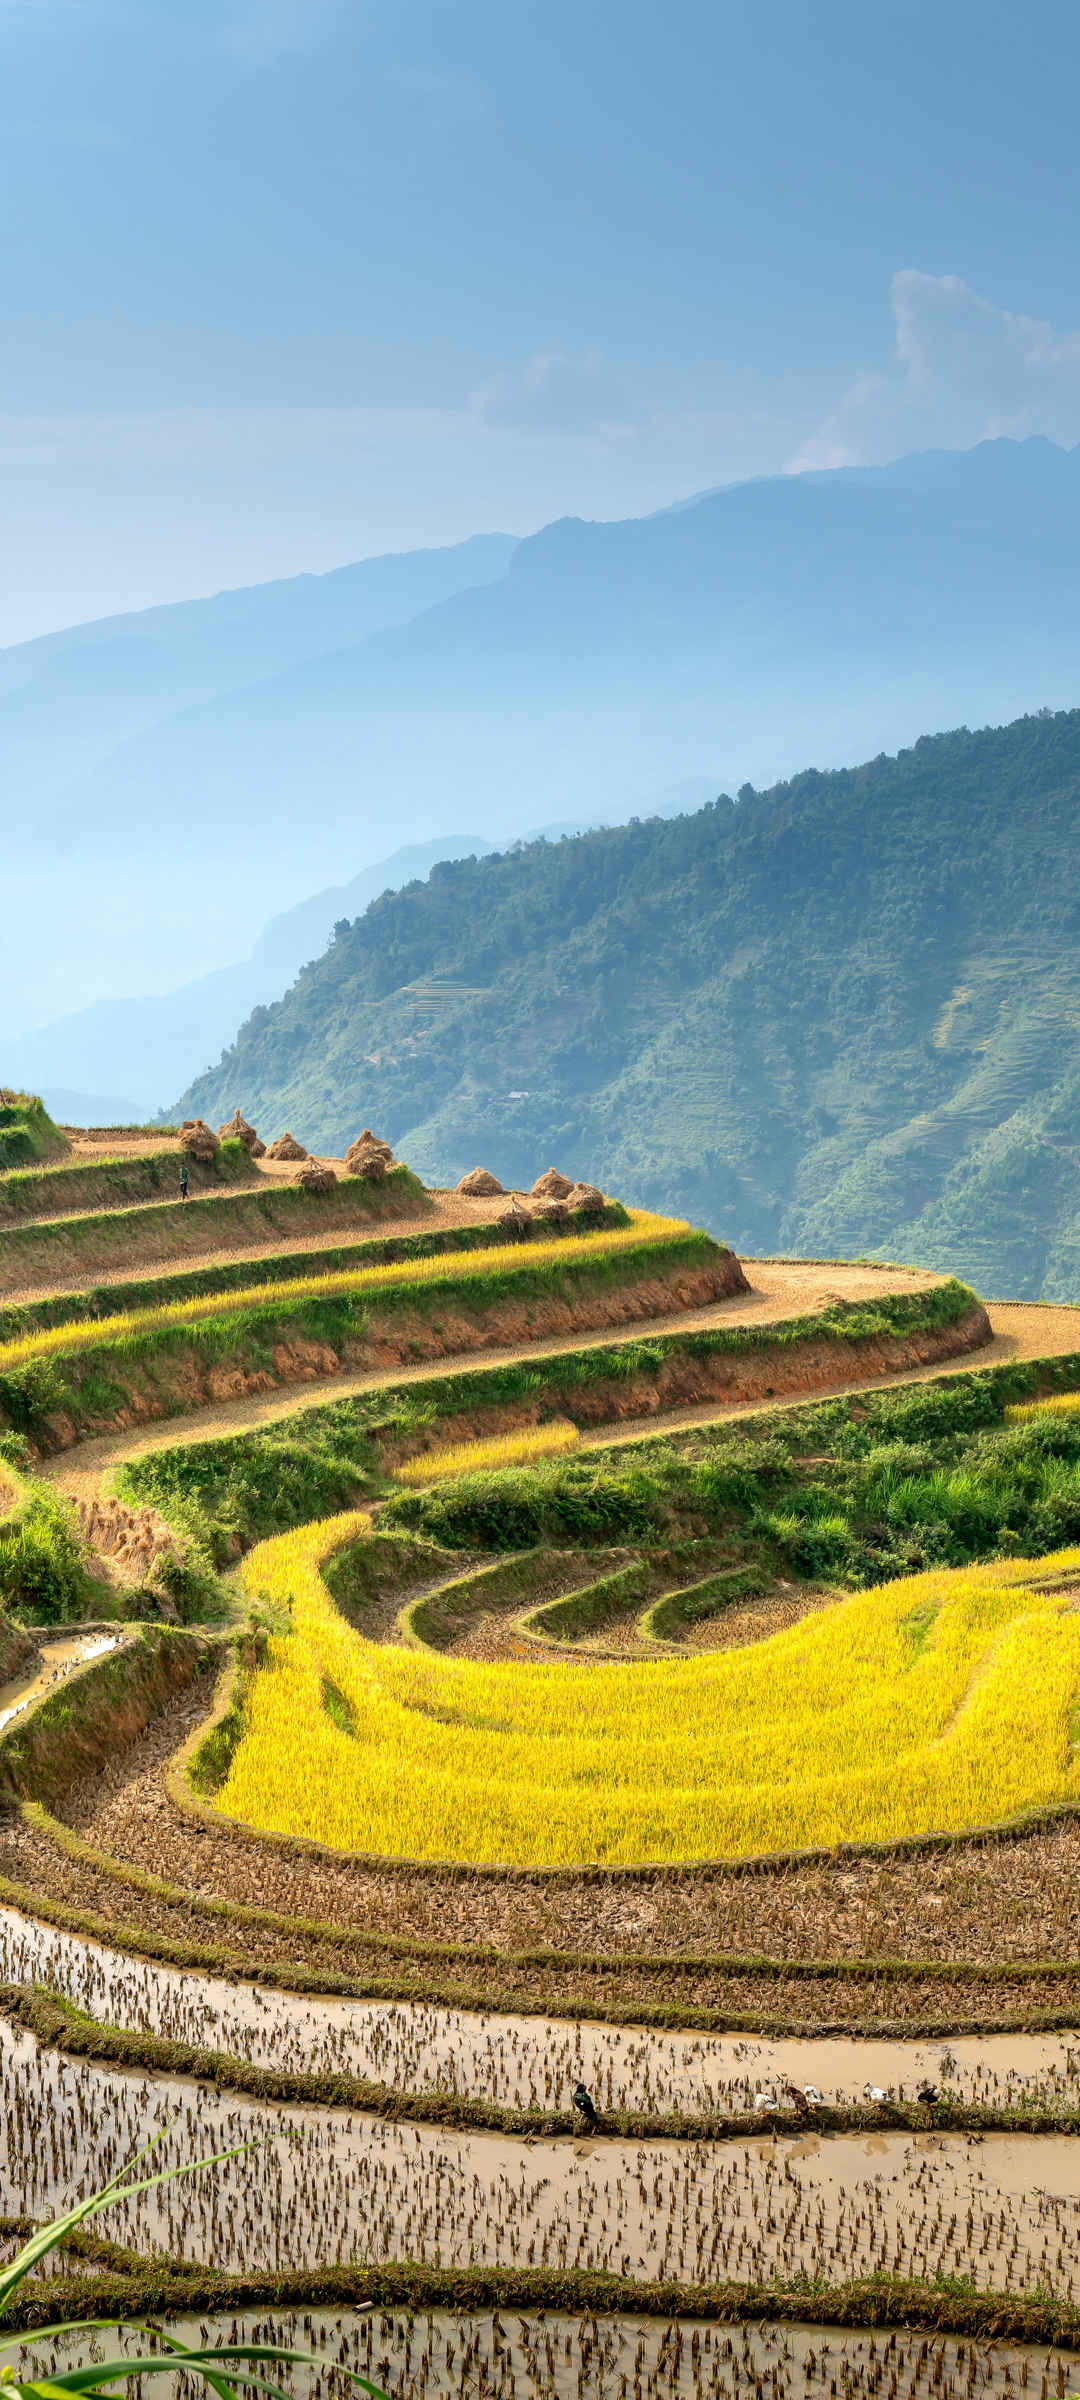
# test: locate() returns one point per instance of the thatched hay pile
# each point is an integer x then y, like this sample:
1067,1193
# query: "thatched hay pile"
238,1130
516,1221
583,1200
480,1184
200,1143
369,1157
286,1146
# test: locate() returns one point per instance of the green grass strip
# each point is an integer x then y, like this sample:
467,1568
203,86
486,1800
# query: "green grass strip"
35,1252
54,1191
579,1613
670,1616
159,1291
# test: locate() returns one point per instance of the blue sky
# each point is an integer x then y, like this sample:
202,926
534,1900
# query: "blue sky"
287,282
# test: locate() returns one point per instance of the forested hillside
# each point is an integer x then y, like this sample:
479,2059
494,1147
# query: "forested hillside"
840,1016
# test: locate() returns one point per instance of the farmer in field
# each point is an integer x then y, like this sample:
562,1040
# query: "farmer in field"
184,1180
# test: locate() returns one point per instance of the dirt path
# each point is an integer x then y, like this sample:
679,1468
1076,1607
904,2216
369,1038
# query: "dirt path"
1022,1329
781,1290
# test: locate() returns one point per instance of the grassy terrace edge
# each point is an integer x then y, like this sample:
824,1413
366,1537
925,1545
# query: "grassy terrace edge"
88,1384
122,2284
53,1190
192,1283
108,1236
572,1383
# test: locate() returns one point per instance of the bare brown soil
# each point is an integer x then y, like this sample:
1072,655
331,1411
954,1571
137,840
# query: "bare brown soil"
166,1383
778,1292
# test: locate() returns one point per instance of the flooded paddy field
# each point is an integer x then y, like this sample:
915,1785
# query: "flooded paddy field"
526,2061
321,2186
56,1659
436,2354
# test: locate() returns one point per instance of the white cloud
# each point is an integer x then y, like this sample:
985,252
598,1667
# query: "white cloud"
963,370
555,393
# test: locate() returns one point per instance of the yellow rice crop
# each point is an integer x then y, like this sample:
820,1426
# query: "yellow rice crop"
502,1450
944,1700
1063,1404
100,1331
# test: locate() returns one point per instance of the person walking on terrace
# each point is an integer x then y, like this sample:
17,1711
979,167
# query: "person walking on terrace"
184,1180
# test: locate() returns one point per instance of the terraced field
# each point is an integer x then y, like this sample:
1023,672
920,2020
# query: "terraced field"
457,1654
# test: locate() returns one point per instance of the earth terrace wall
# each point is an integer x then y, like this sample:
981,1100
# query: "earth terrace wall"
31,1192
98,1710
102,1300
58,1399
18,1649
35,1254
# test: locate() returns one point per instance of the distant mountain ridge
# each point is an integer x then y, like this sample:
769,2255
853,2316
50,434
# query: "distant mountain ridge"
840,1016
506,684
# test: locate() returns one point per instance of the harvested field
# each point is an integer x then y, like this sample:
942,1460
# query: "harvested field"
70,1252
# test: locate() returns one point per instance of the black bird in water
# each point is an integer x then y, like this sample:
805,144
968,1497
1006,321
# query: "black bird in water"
584,2108
927,2093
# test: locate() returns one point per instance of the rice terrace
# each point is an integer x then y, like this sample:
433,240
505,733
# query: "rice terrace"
549,1748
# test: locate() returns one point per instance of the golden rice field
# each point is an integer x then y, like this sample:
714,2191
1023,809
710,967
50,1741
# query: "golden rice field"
942,1701
1061,1404
469,1265
502,1450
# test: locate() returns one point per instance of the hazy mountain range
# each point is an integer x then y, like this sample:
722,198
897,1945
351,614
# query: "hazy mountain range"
839,1016
173,779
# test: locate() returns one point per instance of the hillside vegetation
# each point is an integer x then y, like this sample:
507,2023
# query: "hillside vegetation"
838,1017
27,1134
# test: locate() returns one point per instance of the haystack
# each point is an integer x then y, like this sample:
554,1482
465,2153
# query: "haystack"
584,1200
199,1142
368,1160
516,1221
238,1130
551,1212
480,1184
367,1145
552,1185
315,1178
286,1146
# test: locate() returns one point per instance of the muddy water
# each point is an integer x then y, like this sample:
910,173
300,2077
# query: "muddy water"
432,2355
325,2185
523,2061
57,1660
